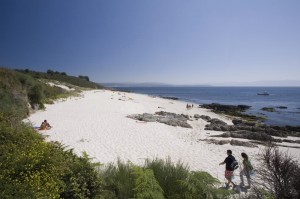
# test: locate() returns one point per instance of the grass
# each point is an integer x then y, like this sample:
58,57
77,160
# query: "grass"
159,178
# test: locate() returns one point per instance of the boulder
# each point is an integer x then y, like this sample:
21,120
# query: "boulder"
197,116
205,117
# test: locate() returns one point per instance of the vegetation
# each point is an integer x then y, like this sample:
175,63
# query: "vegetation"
81,81
33,168
278,175
30,167
159,179
23,87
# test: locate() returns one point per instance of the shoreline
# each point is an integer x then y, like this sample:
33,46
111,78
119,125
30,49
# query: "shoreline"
279,116
97,123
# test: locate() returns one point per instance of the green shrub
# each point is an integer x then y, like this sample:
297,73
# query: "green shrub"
13,104
169,175
81,177
35,94
29,166
146,186
33,168
118,180
200,185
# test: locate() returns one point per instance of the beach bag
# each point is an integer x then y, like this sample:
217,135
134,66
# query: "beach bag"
234,165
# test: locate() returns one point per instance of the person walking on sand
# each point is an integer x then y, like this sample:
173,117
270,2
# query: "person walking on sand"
228,168
247,169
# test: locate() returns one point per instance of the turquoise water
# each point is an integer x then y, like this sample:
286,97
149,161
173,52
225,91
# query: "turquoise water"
279,96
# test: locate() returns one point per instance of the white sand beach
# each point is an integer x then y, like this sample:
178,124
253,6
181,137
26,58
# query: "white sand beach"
96,123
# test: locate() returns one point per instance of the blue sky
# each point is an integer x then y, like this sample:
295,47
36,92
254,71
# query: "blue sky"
169,41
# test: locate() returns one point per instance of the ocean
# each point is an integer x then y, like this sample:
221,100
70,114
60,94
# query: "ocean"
278,96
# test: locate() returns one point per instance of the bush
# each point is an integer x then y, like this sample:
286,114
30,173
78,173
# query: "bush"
81,178
50,72
84,77
33,168
146,186
278,175
29,168
168,175
200,185
118,180
159,179
35,94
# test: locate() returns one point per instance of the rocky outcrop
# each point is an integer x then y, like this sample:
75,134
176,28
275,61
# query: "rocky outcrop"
225,108
268,109
171,98
232,110
242,143
168,118
242,125
231,142
246,135
197,116
281,107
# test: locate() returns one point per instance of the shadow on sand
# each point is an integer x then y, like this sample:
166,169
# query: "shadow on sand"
237,189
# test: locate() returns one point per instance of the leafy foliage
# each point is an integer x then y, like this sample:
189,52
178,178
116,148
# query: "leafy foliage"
35,94
33,168
146,186
201,184
118,179
169,175
159,179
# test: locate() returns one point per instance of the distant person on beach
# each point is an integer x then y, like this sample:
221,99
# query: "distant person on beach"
247,169
228,168
188,106
45,125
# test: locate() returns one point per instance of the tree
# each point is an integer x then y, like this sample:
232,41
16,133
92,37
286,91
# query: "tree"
50,72
84,77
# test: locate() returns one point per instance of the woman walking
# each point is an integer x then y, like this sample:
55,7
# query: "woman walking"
247,169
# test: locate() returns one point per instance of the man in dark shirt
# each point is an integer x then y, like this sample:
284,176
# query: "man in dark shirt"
229,171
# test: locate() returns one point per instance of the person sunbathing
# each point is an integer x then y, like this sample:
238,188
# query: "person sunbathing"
45,125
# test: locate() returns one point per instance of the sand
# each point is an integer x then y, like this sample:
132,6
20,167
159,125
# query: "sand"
96,123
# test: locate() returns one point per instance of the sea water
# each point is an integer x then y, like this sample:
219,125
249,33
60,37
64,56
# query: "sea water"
278,96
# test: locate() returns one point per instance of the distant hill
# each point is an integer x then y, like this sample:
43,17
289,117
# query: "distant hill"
82,81
267,83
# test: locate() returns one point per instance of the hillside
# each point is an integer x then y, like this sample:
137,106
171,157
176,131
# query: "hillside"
81,81
24,90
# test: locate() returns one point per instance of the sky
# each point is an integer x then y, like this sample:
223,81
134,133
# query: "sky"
167,41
